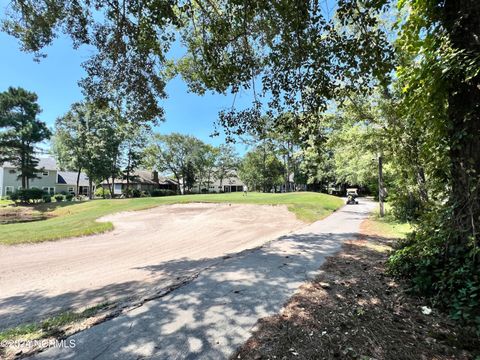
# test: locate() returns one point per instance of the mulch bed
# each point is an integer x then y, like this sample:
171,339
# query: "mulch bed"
11,215
353,310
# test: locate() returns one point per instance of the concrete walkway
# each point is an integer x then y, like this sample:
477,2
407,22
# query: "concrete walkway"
210,316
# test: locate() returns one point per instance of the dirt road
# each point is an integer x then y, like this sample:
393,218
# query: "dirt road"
211,315
148,250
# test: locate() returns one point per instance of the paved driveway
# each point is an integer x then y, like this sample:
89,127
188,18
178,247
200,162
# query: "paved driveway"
210,316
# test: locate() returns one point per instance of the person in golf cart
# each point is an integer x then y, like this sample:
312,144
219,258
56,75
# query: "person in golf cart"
352,195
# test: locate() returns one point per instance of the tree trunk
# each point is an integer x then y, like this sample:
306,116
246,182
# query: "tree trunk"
462,21
90,188
264,175
380,185
112,194
128,177
179,191
109,188
23,175
78,181
422,184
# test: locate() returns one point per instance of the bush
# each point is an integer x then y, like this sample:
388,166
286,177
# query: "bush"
448,275
47,198
58,198
69,197
132,193
406,207
27,195
136,193
14,197
162,192
101,192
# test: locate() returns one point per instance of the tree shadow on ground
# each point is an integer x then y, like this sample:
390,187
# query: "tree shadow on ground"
211,296
353,310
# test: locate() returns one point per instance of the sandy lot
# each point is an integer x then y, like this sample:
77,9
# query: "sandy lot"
147,251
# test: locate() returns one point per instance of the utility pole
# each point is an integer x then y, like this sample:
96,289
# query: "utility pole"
380,184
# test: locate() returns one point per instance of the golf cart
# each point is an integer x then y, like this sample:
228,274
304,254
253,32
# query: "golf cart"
352,195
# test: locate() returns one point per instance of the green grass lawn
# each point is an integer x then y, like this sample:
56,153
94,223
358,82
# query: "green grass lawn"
4,202
388,226
79,218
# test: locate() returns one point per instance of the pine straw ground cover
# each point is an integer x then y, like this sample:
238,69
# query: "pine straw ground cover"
353,310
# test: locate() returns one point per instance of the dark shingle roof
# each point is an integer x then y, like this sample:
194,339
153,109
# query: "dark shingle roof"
143,177
70,178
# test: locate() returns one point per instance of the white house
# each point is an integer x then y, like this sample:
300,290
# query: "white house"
230,183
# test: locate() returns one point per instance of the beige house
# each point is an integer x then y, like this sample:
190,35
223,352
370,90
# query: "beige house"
142,180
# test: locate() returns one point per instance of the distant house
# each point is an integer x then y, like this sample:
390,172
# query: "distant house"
142,180
230,183
50,179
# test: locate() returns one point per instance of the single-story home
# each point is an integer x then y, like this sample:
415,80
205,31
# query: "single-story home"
50,179
142,180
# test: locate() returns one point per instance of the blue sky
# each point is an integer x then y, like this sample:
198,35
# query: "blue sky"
55,79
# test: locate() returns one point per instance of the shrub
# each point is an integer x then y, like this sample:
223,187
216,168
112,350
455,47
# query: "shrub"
406,207
162,192
69,197
58,198
448,275
101,192
136,193
27,195
14,197
47,198
156,193
132,193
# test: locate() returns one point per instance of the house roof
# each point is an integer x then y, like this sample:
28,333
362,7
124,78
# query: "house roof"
166,181
143,177
70,178
47,163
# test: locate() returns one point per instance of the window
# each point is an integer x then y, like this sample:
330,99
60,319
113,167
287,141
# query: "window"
12,171
70,189
50,190
8,190
45,173
19,188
